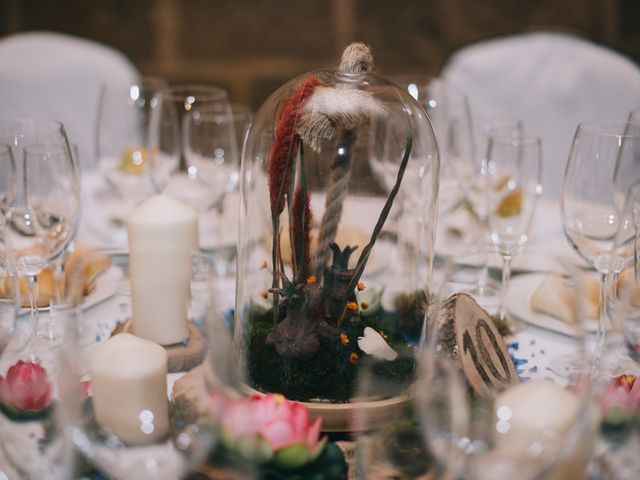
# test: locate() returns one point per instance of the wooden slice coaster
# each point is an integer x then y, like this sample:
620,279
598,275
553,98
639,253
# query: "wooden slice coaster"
182,356
468,334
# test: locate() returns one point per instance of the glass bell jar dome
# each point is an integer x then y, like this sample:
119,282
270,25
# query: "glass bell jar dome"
337,221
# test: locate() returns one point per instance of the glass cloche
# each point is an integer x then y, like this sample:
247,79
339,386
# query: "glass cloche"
338,215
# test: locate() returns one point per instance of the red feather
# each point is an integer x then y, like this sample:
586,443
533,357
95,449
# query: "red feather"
302,217
284,146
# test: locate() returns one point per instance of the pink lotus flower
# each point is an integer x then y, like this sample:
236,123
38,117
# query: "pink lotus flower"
269,428
622,394
26,387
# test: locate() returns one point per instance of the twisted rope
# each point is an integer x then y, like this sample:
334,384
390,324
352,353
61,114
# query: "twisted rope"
356,58
338,188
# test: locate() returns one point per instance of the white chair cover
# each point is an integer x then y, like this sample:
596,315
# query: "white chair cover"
56,76
551,81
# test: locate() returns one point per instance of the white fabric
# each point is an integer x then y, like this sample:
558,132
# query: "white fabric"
56,76
551,81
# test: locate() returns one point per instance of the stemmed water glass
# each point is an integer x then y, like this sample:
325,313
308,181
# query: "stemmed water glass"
124,115
442,104
167,133
211,150
41,202
512,173
467,149
603,162
484,415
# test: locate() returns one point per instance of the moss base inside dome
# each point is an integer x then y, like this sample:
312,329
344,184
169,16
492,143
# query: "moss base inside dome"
332,373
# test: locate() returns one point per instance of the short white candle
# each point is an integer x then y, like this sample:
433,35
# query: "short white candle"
129,388
534,414
163,234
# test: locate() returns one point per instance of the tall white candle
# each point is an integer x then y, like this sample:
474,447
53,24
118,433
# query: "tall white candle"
129,388
538,414
163,233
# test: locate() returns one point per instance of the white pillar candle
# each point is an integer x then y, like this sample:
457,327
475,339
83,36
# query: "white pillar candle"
538,412
129,388
163,234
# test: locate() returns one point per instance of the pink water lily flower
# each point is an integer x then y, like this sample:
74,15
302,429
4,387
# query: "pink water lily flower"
623,394
269,428
26,387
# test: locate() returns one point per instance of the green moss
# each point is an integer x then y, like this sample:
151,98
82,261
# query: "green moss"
411,309
407,449
502,325
329,374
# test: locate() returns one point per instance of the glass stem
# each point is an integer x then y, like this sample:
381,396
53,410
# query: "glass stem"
602,312
33,292
506,277
483,276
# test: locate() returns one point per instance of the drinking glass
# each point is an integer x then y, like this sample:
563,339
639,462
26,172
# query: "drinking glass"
33,443
467,149
485,415
168,127
512,174
624,298
602,164
122,148
42,201
211,152
10,297
442,104
140,436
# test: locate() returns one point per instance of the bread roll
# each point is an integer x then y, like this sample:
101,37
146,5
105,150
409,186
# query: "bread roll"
556,298
628,287
89,264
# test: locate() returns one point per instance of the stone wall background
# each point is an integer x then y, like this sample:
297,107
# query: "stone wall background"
253,46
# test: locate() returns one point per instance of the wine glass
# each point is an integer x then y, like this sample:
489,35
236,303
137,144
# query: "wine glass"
10,297
624,298
512,174
442,104
467,148
158,427
124,114
33,443
485,415
211,152
168,130
599,170
42,203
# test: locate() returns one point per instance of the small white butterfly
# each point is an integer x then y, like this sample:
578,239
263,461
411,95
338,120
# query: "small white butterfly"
372,343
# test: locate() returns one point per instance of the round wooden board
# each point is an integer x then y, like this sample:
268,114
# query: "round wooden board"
336,417
182,356
468,333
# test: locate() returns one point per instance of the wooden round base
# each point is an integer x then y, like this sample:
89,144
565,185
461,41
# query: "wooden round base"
182,356
336,417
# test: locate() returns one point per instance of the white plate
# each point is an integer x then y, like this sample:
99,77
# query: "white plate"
518,303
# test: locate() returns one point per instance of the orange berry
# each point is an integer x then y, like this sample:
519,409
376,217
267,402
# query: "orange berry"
344,339
264,294
353,306
353,357
311,280
361,286
364,305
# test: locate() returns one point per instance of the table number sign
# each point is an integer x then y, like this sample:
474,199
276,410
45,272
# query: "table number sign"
468,334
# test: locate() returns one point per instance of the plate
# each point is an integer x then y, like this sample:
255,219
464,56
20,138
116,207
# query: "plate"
106,285
518,304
